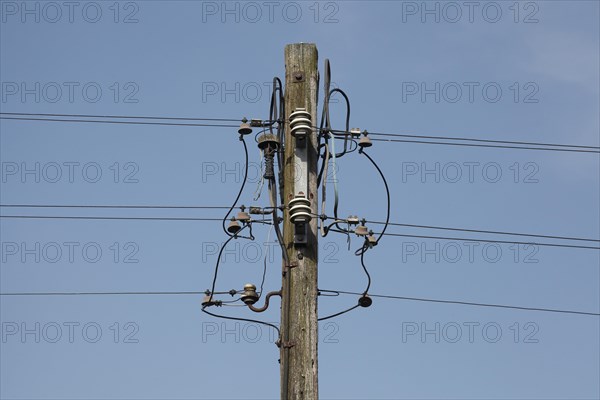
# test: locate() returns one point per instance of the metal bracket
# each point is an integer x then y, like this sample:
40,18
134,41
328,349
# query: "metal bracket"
298,76
293,264
300,233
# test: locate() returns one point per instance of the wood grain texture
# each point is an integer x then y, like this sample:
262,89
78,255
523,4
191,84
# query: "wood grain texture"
299,301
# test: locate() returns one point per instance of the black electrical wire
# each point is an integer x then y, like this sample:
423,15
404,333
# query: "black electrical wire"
325,125
510,142
565,146
469,230
100,293
229,302
112,206
231,292
273,111
338,314
118,122
325,130
471,303
250,235
272,185
483,140
362,263
121,117
276,226
336,90
175,293
276,219
108,218
479,240
258,134
387,192
235,126
322,155
354,142
496,241
282,140
273,116
326,133
325,157
219,260
278,115
484,145
259,221
484,231
241,188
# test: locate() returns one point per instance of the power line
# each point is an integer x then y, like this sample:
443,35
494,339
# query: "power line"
334,230
227,207
123,117
469,303
495,241
119,122
485,231
385,134
508,142
176,293
484,145
549,146
478,231
483,140
245,146
99,293
113,206
110,218
480,240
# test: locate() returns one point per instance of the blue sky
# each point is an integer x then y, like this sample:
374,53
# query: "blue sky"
197,59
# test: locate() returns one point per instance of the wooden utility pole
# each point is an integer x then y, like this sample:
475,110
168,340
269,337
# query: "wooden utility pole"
299,324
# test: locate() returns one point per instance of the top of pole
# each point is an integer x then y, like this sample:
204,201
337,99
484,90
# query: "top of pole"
300,48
